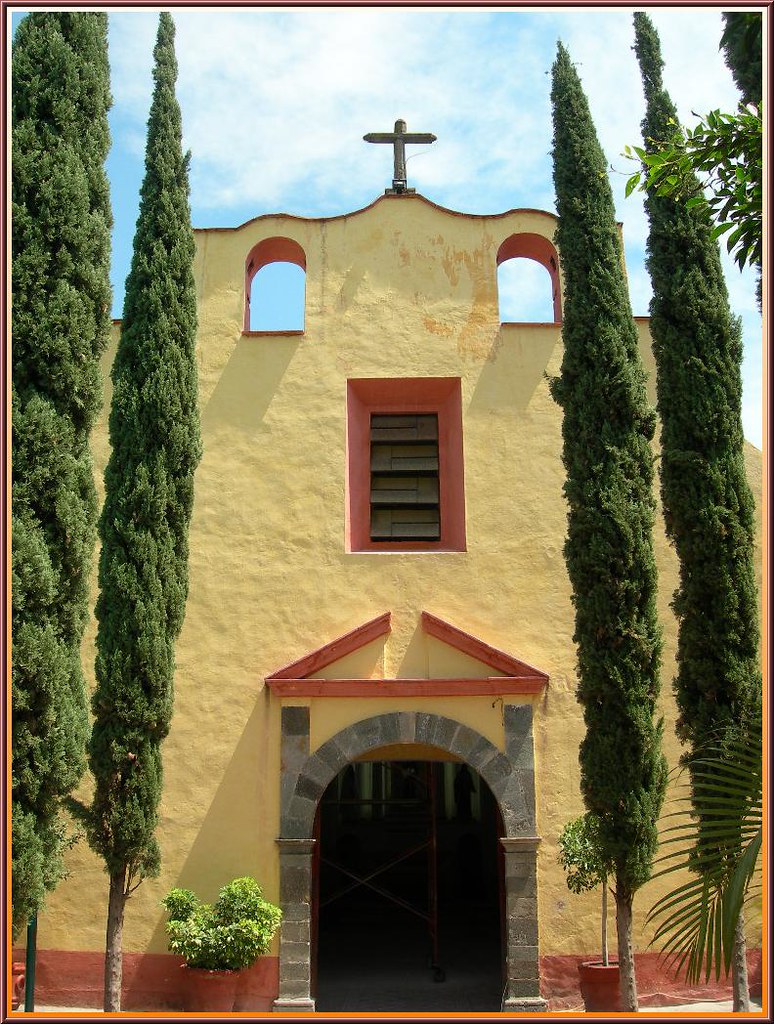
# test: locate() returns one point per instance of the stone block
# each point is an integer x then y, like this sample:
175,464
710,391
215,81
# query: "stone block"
521,887
406,726
518,735
297,911
499,774
522,931
319,770
516,817
295,972
481,752
293,988
299,820
519,868
445,731
527,994
527,784
464,741
332,755
288,782
296,931
389,729
424,727
295,722
310,789
367,735
295,884
520,864
353,741
525,989
520,955
522,908
295,953
293,1006
294,751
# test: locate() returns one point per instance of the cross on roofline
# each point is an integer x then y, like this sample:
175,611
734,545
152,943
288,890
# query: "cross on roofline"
399,138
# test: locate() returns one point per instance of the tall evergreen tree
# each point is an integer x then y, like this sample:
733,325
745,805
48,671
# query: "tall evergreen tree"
60,321
708,506
742,43
143,568
607,428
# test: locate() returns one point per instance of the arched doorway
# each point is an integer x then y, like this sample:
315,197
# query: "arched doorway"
509,775
408,888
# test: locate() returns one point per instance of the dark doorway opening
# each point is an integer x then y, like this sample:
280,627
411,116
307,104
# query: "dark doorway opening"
408,890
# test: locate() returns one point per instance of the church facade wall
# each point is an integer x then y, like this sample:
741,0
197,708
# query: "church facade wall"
402,289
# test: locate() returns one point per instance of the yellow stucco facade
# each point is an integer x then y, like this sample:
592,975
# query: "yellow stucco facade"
401,289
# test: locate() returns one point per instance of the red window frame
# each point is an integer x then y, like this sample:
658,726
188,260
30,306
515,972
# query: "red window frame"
408,395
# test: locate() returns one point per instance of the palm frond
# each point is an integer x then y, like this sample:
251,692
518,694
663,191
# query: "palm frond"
715,833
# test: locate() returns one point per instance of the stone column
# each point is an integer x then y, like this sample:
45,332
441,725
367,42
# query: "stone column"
295,864
295,965
294,752
522,992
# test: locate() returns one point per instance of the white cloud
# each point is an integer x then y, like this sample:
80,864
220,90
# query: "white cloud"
274,103
131,39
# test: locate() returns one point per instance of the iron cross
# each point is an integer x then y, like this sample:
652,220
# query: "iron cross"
398,139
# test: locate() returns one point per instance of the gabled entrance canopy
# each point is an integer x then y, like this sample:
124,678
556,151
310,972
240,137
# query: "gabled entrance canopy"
515,676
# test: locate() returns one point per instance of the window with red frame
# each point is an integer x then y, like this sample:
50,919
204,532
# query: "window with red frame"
405,480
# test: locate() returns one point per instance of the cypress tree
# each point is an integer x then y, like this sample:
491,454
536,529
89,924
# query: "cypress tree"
742,43
60,322
708,506
143,568
607,427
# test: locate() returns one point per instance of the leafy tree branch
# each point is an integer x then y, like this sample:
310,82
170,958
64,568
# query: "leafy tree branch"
718,163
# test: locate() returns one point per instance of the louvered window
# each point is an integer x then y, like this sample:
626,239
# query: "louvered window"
405,489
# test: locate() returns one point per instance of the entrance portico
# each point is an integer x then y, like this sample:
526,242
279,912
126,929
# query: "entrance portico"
510,777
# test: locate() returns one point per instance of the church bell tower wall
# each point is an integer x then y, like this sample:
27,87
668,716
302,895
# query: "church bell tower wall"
401,290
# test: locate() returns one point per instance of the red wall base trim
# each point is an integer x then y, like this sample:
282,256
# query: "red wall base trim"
151,981
656,985
154,981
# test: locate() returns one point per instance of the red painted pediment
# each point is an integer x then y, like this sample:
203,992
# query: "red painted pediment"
514,676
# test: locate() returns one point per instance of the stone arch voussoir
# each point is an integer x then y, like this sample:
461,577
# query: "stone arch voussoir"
494,766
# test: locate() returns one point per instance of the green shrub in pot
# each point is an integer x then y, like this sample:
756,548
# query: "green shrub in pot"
227,935
581,856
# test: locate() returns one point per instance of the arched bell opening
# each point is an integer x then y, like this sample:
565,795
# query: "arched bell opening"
516,294
275,286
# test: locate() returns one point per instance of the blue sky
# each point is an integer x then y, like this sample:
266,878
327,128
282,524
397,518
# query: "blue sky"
275,102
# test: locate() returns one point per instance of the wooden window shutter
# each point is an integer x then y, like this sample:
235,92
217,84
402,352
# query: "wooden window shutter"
405,503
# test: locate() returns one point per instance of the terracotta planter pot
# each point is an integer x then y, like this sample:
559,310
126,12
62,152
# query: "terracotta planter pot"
209,990
18,970
599,986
